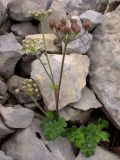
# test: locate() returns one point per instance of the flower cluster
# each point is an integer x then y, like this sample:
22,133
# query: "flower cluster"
66,30
30,46
29,88
42,15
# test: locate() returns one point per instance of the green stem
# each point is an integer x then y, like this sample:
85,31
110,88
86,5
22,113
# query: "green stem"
43,34
60,80
44,68
52,77
37,104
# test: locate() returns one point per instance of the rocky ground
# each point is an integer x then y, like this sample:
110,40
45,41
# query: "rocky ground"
91,79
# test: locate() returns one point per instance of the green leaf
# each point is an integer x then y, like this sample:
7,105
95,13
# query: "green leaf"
53,86
87,137
53,127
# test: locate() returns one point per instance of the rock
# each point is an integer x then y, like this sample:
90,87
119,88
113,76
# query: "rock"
4,130
80,45
79,5
4,157
100,154
5,27
3,88
81,110
94,17
16,82
105,64
72,114
21,10
10,53
61,149
16,118
50,42
3,13
30,106
3,92
24,29
17,106
5,2
24,145
62,8
87,101
74,78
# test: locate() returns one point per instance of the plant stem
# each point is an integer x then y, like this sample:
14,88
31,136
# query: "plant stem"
43,34
52,80
44,68
60,80
51,77
37,104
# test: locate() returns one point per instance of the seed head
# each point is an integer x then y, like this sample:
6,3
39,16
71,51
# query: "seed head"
30,46
86,24
29,88
66,30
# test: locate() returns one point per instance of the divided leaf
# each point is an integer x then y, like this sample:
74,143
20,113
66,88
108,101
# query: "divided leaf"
53,127
86,138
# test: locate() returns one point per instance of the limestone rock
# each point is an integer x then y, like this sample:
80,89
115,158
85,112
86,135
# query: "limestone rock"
5,2
16,118
61,8
80,5
81,110
10,53
87,101
24,29
50,42
72,114
105,64
80,45
74,78
61,149
3,92
3,13
4,130
100,154
4,157
94,17
21,10
24,145
16,82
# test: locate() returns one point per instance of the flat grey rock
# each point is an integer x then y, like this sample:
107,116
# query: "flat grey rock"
24,145
101,154
21,10
16,118
10,53
4,157
74,78
24,29
94,17
4,130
